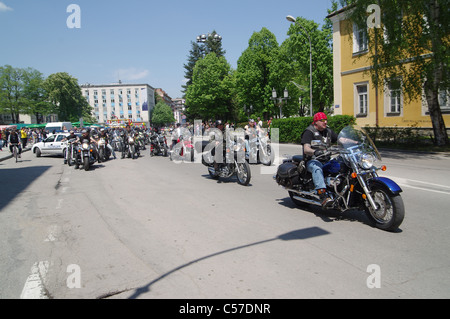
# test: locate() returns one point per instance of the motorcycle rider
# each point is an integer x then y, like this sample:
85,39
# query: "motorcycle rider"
318,130
103,134
68,138
219,144
129,132
85,135
175,135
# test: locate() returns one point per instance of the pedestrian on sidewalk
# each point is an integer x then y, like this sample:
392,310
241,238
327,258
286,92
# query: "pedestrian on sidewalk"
23,137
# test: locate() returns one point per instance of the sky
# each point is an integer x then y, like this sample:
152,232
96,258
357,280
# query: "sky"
136,41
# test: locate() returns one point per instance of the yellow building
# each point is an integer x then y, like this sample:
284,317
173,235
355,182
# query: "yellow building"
354,93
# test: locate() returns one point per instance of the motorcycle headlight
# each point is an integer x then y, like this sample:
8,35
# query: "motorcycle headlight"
85,145
130,140
366,161
101,142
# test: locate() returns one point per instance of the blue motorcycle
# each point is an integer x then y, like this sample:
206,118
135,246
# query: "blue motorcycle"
351,177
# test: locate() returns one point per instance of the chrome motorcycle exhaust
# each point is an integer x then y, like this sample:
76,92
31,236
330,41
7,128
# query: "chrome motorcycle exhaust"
303,199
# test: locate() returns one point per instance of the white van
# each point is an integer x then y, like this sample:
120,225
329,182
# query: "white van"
58,127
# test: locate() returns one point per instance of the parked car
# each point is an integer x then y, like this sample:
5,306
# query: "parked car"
52,145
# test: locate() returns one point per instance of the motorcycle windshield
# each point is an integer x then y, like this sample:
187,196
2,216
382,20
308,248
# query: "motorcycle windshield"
355,139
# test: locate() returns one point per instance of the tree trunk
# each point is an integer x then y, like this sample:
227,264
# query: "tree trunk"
432,85
439,129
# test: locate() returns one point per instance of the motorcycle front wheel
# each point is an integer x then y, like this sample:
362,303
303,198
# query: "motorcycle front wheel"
390,210
101,156
86,163
243,173
266,156
70,160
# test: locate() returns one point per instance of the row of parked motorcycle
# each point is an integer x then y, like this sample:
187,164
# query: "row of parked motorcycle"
84,152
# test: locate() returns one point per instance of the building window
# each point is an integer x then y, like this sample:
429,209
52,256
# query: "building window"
359,39
393,97
361,98
444,101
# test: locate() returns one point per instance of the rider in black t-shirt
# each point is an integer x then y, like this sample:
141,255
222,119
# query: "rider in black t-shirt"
318,130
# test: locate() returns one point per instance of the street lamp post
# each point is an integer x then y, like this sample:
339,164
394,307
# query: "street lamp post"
292,19
248,110
202,38
280,99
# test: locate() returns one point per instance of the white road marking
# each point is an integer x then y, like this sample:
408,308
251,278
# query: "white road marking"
52,232
407,183
34,285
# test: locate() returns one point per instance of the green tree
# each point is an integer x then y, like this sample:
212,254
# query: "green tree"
253,80
35,95
297,51
12,86
413,44
65,95
162,114
210,95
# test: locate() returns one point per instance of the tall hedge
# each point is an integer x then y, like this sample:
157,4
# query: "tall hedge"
291,129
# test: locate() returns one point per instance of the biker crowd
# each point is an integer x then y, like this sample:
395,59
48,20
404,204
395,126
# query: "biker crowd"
116,136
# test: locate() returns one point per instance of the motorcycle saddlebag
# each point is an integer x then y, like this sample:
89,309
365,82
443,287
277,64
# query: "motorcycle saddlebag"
287,170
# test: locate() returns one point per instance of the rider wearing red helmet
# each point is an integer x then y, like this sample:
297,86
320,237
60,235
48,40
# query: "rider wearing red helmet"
318,130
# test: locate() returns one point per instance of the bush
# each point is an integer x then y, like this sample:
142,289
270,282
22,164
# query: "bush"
291,129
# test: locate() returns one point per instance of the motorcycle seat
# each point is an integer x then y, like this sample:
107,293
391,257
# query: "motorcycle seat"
297,158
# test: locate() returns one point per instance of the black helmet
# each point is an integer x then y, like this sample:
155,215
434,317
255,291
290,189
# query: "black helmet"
218,122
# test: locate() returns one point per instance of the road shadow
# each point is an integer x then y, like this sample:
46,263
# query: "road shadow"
330,215
16,180
223,180
298,234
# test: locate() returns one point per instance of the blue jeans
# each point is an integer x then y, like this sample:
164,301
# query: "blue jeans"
315,168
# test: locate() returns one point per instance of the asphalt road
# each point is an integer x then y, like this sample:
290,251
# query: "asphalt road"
151,228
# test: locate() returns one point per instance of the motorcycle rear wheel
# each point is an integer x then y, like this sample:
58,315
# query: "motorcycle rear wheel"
390,212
